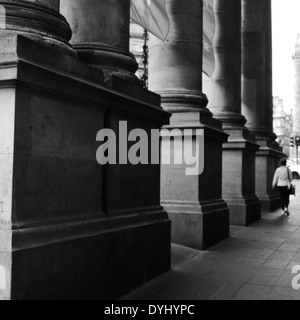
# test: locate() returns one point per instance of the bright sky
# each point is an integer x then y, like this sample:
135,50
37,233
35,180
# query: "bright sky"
286,26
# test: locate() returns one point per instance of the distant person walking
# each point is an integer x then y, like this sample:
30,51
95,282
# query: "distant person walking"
282,180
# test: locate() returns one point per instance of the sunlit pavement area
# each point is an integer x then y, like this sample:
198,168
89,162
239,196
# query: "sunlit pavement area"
255,263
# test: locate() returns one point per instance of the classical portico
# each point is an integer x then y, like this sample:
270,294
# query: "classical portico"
73,229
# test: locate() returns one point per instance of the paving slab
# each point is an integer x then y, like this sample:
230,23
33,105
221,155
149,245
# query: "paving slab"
255,263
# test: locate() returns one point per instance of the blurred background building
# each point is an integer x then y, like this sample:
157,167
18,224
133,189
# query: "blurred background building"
283,125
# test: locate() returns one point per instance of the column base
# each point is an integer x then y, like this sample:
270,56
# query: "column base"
244,210
199,215
270,202
239,177
112,61
104,265
198,226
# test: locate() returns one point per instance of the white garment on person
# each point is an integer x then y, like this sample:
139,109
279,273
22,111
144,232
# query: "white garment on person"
283,177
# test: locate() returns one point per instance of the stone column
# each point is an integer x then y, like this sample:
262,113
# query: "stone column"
199,215
101,35
224,95
257,95
71,228
269,73
253,65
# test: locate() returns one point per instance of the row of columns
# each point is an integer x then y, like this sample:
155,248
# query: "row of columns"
238,138
233,113
234,107
239,96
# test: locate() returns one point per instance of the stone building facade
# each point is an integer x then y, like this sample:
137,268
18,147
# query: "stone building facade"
296,109
283,125
72,229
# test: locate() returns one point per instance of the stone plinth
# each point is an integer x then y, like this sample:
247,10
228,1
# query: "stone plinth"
239,172
69,227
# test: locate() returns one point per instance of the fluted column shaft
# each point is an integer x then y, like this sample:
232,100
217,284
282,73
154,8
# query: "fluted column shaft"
101,34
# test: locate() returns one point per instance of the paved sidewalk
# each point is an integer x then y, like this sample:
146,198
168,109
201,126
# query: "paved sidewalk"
254,264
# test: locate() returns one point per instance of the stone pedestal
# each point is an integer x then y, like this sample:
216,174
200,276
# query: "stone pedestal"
101,35
224,95
239,173
200,217
69,227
